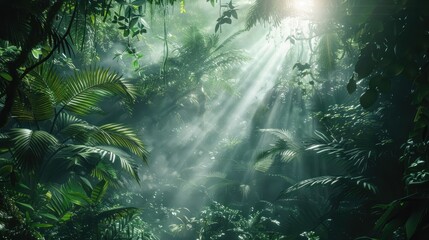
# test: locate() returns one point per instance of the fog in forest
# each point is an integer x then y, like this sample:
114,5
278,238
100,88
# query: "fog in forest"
191,119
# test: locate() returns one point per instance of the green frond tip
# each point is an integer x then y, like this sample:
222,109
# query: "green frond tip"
347,183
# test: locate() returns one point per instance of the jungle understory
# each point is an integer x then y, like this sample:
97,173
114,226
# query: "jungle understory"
215,119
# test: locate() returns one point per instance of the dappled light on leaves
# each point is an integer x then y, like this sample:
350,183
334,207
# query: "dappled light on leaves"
216,119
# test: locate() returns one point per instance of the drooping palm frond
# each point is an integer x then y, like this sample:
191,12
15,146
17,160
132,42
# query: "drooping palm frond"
119,136
224,60
36,107
59,203
264,164
64,120
267,11
93,156
110,142
47,81
85,90
352,155
117,213
29,147
286,148
115,135
112,154
347,185
37,101
201,54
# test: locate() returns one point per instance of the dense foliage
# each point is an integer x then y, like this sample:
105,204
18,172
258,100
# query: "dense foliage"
326,138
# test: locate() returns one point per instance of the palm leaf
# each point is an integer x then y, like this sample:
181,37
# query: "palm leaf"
46,80
36,107
353,154
110,134
105,172
226,41
64,120
39,96
119,136
59,203
113,154
266,11
286,147
264,164
116,214
30,147
347,183
84,90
